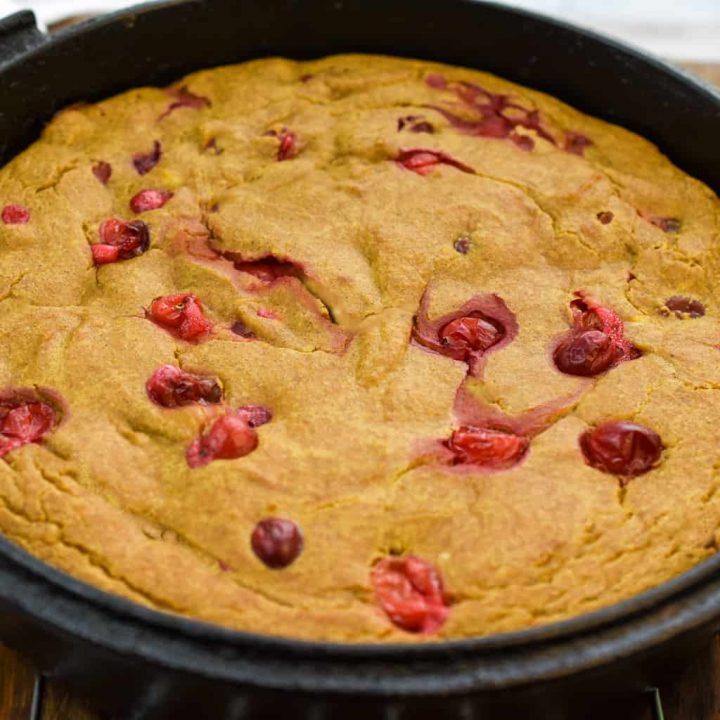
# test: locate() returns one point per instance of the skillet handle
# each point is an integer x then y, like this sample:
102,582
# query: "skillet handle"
18,34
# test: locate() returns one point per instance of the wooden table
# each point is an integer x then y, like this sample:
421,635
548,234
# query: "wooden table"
694,695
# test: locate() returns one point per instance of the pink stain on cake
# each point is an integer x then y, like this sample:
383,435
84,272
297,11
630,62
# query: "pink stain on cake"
25,418
102,171
230,437
422,161
410,592
147,200
182,315
145,162
596,342
482,325
669,225
120,240
183,98
15,215
415,123
479,112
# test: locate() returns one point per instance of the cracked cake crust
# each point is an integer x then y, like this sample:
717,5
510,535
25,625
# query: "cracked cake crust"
315,210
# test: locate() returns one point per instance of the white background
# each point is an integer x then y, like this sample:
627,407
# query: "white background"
677,29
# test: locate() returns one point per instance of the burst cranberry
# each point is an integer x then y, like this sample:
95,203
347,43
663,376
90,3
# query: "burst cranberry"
585,354
103,172
605,217
410,591
423,161
596,343
277,542
268,269
15,215
230,437
467,335
150,200
685,306
121,240
255,415
182,315
145,162
668,225
622,448
491,449
524,142
24,422
171,387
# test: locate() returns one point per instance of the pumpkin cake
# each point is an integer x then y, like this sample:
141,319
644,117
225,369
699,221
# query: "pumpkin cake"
358,349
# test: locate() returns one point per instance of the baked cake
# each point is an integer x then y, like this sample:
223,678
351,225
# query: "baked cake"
360,349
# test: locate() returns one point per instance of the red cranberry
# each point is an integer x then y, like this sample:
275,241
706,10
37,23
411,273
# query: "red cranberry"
622,448
490,449
150,200
255,415
145,162
230,437
585,354
596,343
576,143
184,99
287,143
685,306
423,161
462,245
277,542
103,172
410,591
182,315
120,240
171,387
467,335
15,215
605,217
23,422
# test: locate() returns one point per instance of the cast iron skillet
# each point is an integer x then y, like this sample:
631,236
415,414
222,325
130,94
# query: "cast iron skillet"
138,663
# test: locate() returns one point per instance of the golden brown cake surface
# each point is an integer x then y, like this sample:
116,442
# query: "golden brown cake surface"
331,219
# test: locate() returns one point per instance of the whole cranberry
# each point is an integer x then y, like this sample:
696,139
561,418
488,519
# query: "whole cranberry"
585,354
622,448
171,387
467,335
150,200
15,215
230,437
410,591
182,315
277,542
487,448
